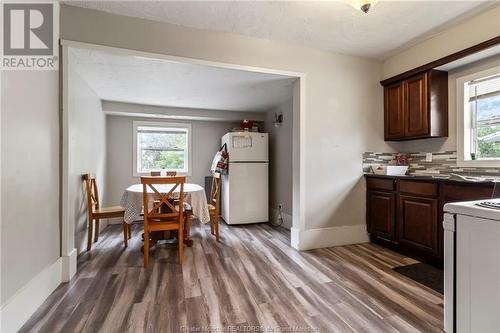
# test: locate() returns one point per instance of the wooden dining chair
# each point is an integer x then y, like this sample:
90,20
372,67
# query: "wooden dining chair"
188,212
95,213
168,174
156,219
214,205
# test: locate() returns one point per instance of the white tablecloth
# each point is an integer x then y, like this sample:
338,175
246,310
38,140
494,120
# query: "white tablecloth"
194,195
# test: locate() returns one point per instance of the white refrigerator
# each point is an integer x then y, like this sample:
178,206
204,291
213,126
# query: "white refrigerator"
245,188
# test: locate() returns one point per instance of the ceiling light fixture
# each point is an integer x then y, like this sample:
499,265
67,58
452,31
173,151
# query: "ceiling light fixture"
363,5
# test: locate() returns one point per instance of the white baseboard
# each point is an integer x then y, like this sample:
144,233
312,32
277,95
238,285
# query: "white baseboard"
69,265
327,237
294,238
19,308
287,218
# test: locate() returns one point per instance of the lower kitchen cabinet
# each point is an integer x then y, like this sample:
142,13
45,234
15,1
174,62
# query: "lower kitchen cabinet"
380,212
418,223
406,214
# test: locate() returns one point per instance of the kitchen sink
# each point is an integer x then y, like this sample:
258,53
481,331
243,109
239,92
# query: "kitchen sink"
390,170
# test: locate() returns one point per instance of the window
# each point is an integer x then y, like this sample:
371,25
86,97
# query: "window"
479,119
161,146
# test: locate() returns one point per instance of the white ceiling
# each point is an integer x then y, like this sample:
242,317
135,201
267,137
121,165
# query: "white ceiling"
138,80
328,25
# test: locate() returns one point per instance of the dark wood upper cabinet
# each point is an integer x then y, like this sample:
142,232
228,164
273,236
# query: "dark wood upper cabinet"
417,107
394,119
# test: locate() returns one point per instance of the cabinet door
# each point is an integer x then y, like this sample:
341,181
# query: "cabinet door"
380,214
394,125
416,111
418,223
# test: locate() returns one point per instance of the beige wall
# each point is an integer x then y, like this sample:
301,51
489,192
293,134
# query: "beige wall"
206,136
280,158
87,151
343,98
471,32
30,177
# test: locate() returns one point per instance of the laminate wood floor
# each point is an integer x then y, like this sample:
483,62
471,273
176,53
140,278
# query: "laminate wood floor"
251,278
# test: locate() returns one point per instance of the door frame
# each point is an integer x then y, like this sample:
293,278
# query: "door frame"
68,250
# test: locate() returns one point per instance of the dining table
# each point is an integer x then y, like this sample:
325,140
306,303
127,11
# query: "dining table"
194,195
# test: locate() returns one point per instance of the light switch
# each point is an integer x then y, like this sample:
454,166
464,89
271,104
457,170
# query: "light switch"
428,157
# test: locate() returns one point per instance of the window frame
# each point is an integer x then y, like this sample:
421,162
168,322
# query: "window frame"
160,124
462,121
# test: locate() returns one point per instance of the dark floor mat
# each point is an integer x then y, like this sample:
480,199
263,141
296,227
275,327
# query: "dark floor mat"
427,275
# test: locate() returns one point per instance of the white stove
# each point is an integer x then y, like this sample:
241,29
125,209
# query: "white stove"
472,267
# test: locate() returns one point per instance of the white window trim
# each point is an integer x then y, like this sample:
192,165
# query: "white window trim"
187,126
461,136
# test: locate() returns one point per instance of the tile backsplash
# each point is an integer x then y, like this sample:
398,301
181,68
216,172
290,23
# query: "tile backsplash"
442,163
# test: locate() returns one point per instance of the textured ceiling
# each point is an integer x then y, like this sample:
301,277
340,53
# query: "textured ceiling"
130,79
328,25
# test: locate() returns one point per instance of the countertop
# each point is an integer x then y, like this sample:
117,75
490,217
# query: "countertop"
471,209
452,180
